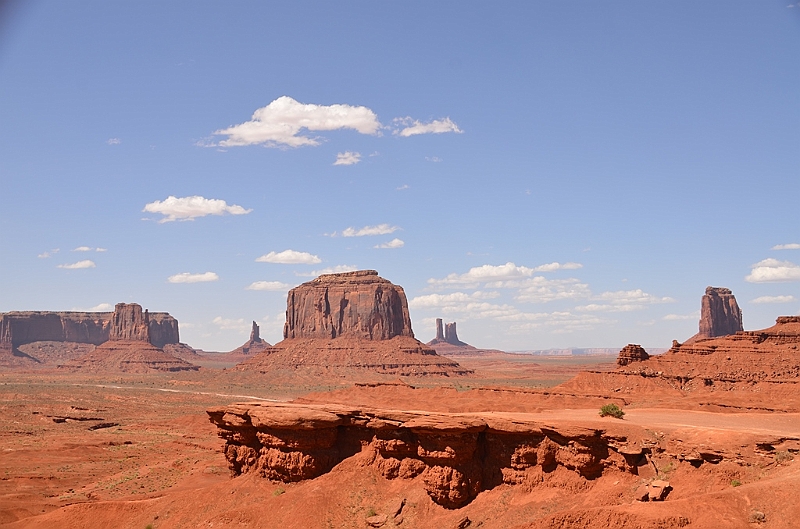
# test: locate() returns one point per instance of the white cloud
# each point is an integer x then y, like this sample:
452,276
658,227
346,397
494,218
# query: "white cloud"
623,301
88,249
45,255
347,158
506,272
394,243
413,127
380,229
772,270
434,159
338,269
790,246
272,286
80,264
279,124
187,277
679,317
453,300
541,290
113,141
289,257
227,324
773,299
190,208
403,187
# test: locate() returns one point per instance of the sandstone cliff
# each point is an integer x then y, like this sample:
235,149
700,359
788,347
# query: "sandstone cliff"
631,353
719,314
358,304
349,326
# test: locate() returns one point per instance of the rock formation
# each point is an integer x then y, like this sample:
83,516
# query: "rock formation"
357,304
447,343
456,456
128,322
631,353
439,333
719,314
252,346
19,328
349,325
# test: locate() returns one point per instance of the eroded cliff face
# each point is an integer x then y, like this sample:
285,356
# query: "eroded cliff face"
356,304
20,328
456,456
631,353
719,314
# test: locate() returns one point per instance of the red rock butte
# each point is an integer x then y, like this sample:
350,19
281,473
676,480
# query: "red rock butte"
346,324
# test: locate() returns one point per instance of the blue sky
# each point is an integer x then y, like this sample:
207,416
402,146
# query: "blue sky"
547,174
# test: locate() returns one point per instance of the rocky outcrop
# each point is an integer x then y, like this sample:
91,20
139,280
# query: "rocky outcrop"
127,356
252,346
447,343
19,328
356,304
129,323
456,456
439,332
631,353
719,314
351,326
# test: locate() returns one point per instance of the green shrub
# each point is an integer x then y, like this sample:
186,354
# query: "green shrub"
278,491
735,483
611,410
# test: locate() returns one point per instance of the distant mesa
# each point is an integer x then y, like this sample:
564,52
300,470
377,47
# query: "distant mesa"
127,340
349,324
447,343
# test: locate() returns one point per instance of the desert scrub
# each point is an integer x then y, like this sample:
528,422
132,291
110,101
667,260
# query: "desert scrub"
611,410
278,491
783,457
735,483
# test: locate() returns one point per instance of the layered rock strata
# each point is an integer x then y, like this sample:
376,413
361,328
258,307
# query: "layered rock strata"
20,328
631,353
719,314
349,325
455,456
357,304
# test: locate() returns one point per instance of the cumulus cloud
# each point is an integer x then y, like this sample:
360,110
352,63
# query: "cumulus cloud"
772,270
227,324
539,289
46,255
187,277
453,300
773,299
272,286
279,124
394,243
190,208
338,269
80,264
380,229
289,257
790,246
623,301
412,127
347,158
495,273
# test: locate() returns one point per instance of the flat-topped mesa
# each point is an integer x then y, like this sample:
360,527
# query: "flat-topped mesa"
631,353
719,314
357,304
129,323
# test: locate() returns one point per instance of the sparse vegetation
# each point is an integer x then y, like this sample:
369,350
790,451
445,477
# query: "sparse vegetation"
735,483
783,457
611,410
278,491
371,512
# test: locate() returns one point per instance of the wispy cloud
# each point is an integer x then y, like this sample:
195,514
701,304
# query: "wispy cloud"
46,255
101,307
80,264
380,229
190,208
680,317
506,272
347,158
773,299
187,277
229,324
412,127
773,271
394,243
623,301
88,249
289,257
434,159
790,246
113,141
403,187
338,269
279,124
271,286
